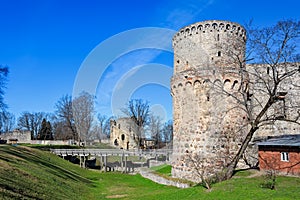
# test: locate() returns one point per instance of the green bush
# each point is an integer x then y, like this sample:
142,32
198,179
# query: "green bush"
269,180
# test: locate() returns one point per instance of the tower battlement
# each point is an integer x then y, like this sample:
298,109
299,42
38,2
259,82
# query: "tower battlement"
210,26
207,45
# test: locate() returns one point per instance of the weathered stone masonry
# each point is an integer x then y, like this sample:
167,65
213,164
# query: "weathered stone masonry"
123,133
205,120
209,125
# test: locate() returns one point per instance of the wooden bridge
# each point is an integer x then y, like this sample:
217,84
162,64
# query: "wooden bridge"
124,164
111,152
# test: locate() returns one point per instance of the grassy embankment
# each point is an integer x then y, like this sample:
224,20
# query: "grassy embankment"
28,173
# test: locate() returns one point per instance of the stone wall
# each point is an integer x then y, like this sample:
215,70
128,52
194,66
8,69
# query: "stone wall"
284,107
21,136
52,142
147,173
123,133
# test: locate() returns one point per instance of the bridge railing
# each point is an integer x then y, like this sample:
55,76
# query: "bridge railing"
106,152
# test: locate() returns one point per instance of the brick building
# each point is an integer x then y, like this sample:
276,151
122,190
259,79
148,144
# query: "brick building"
281,154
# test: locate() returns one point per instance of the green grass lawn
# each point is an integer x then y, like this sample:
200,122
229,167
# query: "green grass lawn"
163,169
28,173
48,147
99,146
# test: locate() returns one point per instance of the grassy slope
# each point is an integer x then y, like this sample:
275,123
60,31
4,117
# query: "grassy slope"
27,173
34,174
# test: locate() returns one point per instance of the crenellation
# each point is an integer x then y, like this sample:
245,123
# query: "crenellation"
208,27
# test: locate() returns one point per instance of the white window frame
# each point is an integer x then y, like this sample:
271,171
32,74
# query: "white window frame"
285,156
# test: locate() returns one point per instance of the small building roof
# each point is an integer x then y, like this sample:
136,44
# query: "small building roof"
284,140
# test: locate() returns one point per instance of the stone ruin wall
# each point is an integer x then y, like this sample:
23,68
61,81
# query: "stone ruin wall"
203,129
20,135
122,133
291,87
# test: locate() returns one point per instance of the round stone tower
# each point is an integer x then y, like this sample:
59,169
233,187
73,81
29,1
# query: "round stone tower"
207,119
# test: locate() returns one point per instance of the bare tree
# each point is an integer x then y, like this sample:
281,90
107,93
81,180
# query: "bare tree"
7,121
103,126
265,90
138,111
167,131
155,127
201,170
65,126
61,130
83,113
24,122
3,79
31,122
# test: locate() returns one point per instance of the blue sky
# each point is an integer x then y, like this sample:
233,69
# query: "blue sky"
46,43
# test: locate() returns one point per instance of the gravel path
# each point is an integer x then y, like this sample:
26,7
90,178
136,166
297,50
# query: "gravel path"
147,173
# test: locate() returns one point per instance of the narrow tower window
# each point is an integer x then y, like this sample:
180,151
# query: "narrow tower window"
219,53
218,37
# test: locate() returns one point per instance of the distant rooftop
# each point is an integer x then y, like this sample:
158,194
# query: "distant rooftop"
284,140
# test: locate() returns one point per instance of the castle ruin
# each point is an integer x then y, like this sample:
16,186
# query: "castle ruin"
123,133
209,126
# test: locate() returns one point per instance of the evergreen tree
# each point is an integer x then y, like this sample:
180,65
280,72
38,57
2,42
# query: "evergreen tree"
45,133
